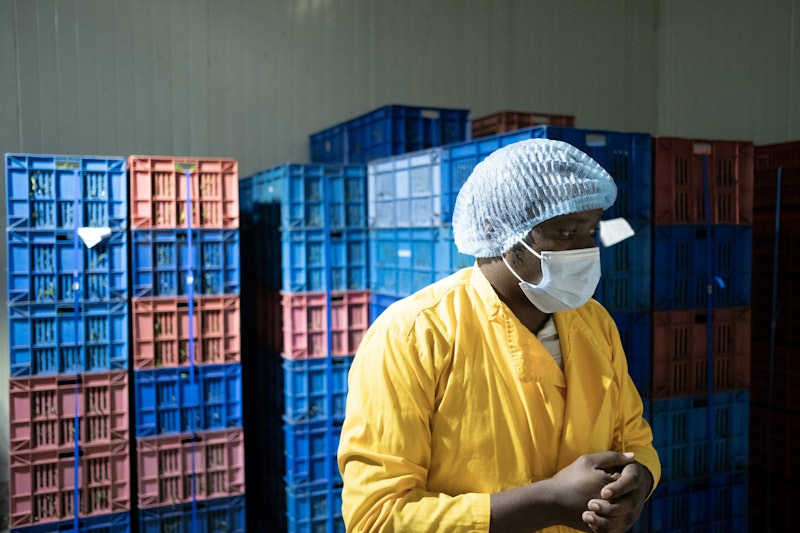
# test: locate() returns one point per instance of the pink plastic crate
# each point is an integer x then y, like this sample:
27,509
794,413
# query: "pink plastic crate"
680,351
165,467
42,484
159,193
306,329
161,331
42,411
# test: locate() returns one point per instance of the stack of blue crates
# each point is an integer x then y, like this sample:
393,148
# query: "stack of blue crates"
307,226
68,342
186,352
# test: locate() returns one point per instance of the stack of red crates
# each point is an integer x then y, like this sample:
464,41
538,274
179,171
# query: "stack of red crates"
185,310
775,431
505,121
701,318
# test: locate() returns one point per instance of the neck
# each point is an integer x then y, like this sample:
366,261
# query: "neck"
507,289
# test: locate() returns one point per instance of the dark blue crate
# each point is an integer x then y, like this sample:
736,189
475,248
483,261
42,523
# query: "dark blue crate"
315,196
312,507
108,523
626,156
389,130
42,265
680,277
49,339
680,434
378,303
717,504
159,261
66,192
182,400
213,516
308,393
309,256
634,331
404,260
625,283
245,201
311,453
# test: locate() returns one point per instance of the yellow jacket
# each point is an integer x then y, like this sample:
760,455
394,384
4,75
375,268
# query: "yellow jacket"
452,399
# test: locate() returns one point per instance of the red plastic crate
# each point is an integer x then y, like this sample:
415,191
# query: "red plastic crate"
42,484
269,319
158,192
306,328
771,501
161,331
512,120
166,465
679,192
768,159
680,351
776,377
42,411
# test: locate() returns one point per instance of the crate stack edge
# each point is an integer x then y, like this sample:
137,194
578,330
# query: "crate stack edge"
68,314
185,299
775,401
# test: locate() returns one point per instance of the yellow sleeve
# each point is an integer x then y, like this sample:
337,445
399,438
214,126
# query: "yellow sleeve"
634,434
384,452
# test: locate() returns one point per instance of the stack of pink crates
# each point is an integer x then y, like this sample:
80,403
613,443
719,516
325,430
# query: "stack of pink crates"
185,310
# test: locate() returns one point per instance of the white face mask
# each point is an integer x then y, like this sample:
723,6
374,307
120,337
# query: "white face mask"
569,278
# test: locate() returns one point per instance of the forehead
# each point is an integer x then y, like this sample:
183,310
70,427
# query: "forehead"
591,218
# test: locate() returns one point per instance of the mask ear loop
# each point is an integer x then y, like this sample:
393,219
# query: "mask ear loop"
503,257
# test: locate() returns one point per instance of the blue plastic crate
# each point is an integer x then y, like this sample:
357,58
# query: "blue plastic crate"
404,260
717,504
44,191
159,261
308,256
213,516
626,156
108,523
47,338
308,393
680,434
315,196
378,303
634,331
42,264
680,278
405,191
173,400
311,453
625,283
312,508
389,130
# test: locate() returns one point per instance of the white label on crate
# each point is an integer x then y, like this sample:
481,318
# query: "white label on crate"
92,236
430,113
404,253
614,231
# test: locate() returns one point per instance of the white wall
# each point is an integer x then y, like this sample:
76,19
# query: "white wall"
252,79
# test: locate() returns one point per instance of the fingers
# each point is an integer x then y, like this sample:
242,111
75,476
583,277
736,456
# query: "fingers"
628,481
609,460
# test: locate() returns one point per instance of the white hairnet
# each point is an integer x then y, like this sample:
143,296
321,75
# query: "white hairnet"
521,185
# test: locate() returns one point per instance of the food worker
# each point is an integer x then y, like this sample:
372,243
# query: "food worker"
498,398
